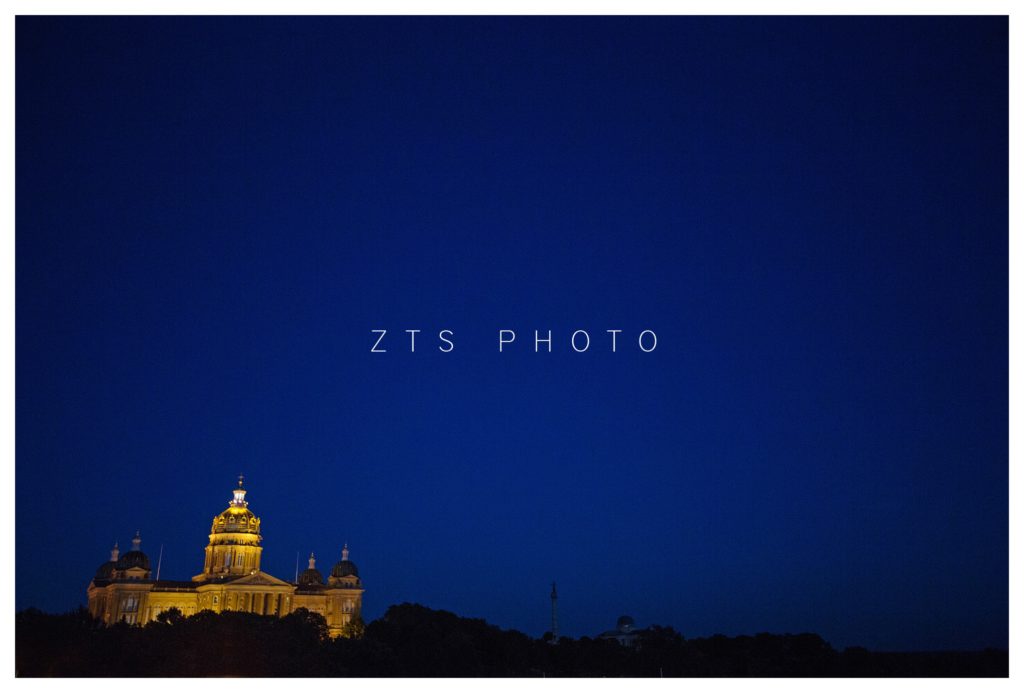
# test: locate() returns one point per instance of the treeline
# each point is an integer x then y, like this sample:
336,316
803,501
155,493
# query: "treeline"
412,640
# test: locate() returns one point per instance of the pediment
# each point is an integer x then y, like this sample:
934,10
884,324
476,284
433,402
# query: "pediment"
260,578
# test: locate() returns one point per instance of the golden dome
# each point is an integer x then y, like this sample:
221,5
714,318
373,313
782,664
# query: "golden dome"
237,519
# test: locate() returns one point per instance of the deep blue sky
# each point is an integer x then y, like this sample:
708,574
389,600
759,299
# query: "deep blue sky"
212,214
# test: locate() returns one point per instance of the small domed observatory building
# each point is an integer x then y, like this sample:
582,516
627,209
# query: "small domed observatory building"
123,588
625,632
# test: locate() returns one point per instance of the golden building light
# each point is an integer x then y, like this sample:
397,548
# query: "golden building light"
123,588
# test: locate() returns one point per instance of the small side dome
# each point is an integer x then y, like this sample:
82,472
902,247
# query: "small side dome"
345,567
311,576
134,558
106,570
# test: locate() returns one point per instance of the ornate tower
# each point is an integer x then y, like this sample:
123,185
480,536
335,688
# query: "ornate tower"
344,594
234,547
134,563
311,576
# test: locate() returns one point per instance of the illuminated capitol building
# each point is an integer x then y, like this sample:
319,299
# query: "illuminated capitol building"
124,590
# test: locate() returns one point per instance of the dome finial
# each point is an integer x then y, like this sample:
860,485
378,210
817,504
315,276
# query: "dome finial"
312,561
239,494
137,541
115,552
344,552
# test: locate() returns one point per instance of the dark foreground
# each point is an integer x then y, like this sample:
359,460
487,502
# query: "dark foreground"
411,640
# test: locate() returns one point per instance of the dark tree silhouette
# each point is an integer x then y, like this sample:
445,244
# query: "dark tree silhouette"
171,616
412,640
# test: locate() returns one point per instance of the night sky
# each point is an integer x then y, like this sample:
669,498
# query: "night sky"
213,214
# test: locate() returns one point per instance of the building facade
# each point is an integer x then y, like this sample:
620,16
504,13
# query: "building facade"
123,588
